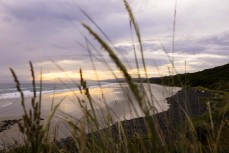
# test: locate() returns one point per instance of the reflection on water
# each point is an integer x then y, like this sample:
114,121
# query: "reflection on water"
115,98
110,101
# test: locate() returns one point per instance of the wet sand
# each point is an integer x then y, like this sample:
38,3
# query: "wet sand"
111,98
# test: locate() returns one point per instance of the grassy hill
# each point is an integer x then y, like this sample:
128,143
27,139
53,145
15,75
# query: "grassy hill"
215,78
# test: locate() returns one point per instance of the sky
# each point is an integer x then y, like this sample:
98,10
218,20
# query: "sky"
50,34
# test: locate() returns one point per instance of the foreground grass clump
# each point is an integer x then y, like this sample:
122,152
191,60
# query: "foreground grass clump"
152,133
35,134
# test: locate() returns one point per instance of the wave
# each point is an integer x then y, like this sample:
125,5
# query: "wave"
28,93
11,93
5,104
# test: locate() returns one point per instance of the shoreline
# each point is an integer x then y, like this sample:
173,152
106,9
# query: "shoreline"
167,119
137,126
109,92
115,100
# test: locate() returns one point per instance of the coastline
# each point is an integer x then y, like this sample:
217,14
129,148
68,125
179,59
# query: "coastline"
116,101
174,115
115,98
187,98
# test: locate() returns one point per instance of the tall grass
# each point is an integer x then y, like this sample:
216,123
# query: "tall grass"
87,135
35,134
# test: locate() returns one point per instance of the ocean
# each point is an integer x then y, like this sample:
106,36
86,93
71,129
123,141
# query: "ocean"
116,101
110,95
9,91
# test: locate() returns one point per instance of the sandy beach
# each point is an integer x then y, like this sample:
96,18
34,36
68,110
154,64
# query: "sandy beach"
112,97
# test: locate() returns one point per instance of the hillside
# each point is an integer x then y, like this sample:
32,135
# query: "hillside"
215,78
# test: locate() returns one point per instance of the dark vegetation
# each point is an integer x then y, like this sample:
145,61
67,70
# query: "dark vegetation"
215,78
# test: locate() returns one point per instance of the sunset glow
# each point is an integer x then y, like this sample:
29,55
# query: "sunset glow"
49,33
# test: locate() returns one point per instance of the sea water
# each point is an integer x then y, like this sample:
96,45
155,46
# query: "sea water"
118,98
117,102
9,91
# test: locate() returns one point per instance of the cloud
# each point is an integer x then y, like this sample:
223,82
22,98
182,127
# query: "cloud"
50,29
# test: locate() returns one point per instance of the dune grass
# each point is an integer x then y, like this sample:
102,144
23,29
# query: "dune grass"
205,133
